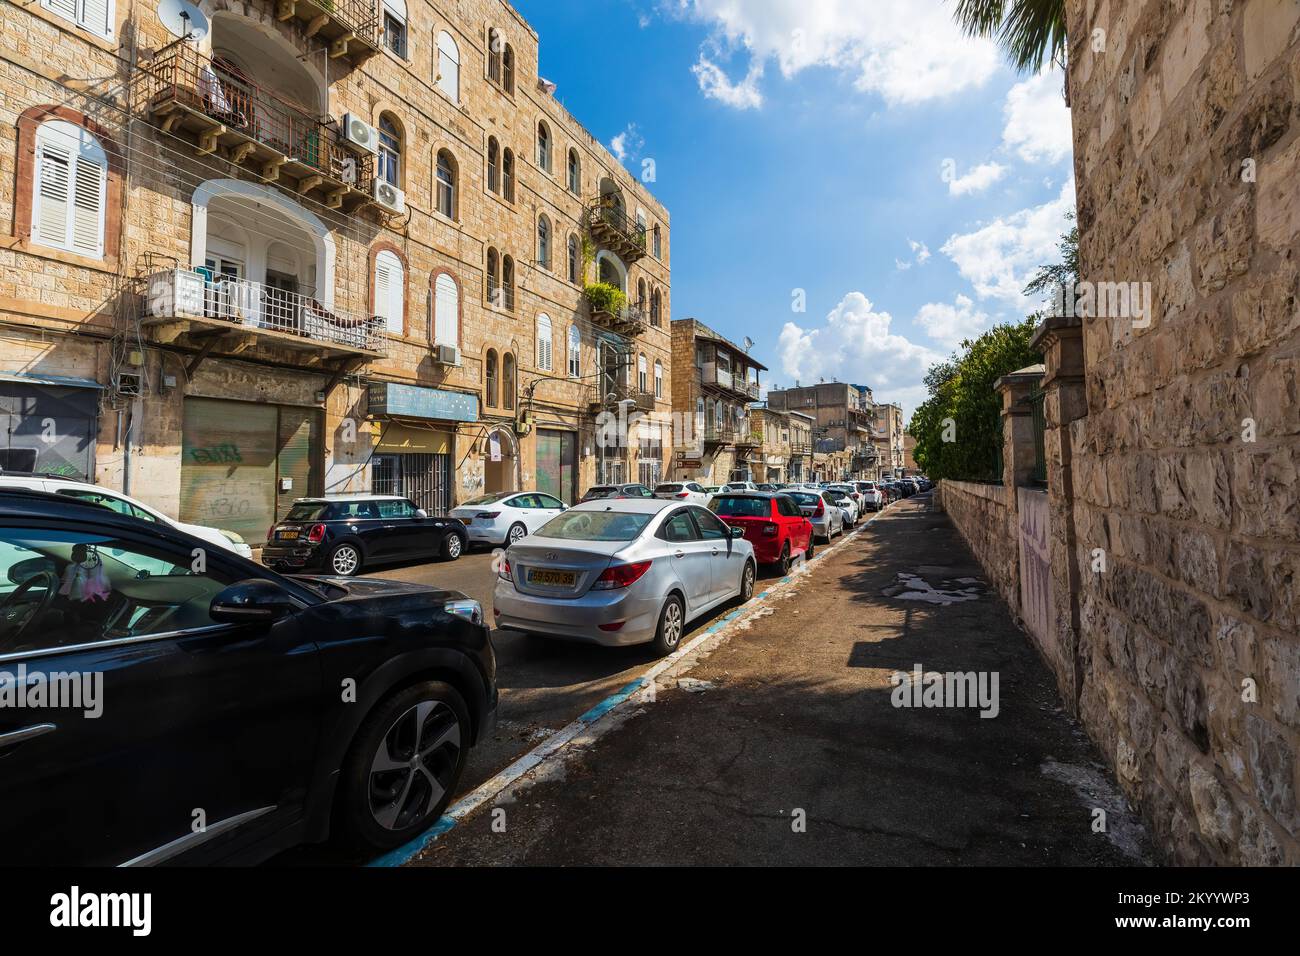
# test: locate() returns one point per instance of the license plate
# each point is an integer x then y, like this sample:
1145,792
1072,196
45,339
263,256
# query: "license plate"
552,579
287,535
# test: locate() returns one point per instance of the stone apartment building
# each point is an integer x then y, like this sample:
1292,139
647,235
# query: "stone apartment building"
714,383
786,450
259,250
888,436
842,431
1157,567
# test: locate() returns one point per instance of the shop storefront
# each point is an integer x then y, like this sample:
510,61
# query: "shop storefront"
243,464
49,424
557,464
416,441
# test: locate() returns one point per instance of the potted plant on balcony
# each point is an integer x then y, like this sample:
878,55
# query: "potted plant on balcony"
606,298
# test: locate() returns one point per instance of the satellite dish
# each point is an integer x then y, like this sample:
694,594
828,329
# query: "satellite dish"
183,19
749,343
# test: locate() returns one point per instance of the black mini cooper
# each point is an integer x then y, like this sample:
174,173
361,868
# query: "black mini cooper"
182,704
342,535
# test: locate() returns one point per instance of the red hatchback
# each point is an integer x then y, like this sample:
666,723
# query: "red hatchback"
772,523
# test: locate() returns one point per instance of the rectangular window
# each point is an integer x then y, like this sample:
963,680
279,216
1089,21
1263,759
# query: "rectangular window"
93,16
395,34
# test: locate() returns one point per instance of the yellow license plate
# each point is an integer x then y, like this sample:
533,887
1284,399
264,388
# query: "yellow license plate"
552,579
286,535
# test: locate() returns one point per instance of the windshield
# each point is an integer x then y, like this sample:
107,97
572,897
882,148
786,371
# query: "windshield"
307,511
805,498
741,507
487,499
601,491
595,526
666,489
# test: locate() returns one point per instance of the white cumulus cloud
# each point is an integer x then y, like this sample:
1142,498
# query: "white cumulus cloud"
978,179
627,144
998,258
716,85
906,51
950,324
1037,120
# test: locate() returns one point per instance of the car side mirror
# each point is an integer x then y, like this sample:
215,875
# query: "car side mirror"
737,532
254,601
421,513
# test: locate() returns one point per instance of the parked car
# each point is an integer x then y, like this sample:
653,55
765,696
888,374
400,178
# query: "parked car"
623,572
712,489
772,523
633,490
872,498
819,507
683,491
221,689
122,504
504,518
739,486
846,499
343,535
768,486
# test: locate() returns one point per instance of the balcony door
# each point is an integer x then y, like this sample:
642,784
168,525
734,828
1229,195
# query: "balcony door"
280,301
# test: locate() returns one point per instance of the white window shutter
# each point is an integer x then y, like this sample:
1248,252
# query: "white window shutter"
446,311
449,66
88,208
50,221
64,8
96,16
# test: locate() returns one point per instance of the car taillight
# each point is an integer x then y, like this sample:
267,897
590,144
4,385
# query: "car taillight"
821,510
488,515
317,534
682,494
270,532
503,571
770,530
620,576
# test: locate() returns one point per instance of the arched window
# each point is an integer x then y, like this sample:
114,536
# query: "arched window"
508,381
494,165
390,291
390,150
659,379
449,66
575,352
446,174
446,310
494,278
69,189
395,26
508,69
495,46
642,384
659,242
543,147
641,302
544,242
575,173
490,379
575,258
508,175
656,308
508,282
545,354
93,16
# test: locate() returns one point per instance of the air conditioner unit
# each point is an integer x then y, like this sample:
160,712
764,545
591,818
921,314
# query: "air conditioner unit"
389,196
446,355
360,134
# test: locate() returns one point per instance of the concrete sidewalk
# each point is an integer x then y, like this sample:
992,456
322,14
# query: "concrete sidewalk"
794,753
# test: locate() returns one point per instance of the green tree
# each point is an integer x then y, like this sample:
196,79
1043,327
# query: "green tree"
1063,274
1030,32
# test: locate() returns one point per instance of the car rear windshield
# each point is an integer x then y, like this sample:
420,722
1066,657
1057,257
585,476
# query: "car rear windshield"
601,492
741,506
805,498
667,489
308,511
595,526
487,499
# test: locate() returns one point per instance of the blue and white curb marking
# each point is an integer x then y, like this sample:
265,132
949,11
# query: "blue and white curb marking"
554,747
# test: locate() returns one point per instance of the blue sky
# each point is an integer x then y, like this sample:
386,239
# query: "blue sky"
859,150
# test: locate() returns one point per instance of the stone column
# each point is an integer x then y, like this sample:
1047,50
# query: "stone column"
1018,452
1060,339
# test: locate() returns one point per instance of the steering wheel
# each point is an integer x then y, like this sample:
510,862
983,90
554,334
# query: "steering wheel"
15,620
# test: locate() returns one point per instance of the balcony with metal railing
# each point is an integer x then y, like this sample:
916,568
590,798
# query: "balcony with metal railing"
209,308
610,226
628,320
607,395
350,28
719,433
187,94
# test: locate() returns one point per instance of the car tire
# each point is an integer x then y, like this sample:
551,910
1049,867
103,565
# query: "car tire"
811,551
345,561
672,625
516,533
783,563
432,714
453,547
747,579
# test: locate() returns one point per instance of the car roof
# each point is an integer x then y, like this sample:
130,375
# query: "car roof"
630,505
332,499
31,503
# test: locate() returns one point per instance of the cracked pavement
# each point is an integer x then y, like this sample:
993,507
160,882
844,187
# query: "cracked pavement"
798,755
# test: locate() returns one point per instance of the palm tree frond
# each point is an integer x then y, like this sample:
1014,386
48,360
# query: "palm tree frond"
1030,32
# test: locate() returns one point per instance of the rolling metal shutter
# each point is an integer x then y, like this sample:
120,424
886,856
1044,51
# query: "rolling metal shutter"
48,428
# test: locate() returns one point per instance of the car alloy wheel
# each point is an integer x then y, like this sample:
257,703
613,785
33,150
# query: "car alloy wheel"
414,765
785,559
516,534
672,621
747,581
452,547
345,560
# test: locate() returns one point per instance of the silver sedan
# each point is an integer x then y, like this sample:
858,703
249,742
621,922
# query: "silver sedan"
819,507
625,571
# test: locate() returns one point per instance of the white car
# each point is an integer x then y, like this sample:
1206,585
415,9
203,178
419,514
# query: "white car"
506,517
116,501
739,486
683,491
871,495
844,500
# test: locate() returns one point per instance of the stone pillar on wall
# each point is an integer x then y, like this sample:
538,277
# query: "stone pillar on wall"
1060,339
1018,451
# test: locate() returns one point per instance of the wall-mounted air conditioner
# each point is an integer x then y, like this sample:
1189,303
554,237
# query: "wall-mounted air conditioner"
446,355
389,196
359,134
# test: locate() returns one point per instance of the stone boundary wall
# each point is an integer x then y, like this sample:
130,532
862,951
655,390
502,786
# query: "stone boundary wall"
988,527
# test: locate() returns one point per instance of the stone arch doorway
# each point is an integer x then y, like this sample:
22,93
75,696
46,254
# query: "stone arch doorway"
503,475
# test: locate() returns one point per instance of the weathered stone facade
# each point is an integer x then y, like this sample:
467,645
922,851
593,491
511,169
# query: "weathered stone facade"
1175,486
171,203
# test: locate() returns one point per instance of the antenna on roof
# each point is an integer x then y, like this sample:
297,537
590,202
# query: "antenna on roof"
749,343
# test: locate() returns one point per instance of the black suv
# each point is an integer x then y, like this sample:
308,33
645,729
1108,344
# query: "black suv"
345,534
212,711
